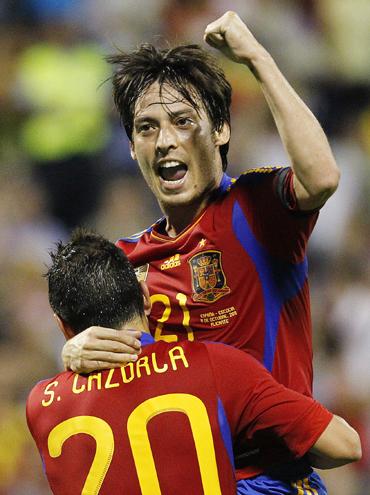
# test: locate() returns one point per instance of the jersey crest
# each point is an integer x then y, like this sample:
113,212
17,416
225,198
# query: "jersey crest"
208,277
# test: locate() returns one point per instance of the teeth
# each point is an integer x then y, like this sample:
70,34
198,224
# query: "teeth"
170,164
174,181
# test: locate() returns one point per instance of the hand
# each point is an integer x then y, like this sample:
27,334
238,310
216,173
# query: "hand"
231,36
98,348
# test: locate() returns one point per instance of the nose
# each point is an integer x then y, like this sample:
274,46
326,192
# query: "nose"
166,140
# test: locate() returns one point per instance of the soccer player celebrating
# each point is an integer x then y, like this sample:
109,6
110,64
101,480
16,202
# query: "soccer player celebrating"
227,262
167,423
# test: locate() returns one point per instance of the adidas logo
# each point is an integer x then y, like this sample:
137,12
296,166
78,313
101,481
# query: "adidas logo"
171,263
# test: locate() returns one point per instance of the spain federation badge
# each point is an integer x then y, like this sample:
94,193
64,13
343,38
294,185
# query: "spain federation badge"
208,277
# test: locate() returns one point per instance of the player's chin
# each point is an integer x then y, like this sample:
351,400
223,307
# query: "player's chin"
178,198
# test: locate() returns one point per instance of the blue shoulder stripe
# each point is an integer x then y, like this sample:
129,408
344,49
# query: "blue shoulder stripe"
228,182
225,430
136,237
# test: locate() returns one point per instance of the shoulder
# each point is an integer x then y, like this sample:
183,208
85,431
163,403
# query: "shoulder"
135,238
42,391
228,356
40,385
237,374
255,182
260,174
249,182
207,351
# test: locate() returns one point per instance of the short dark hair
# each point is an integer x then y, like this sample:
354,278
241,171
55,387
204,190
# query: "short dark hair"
91,282
188,69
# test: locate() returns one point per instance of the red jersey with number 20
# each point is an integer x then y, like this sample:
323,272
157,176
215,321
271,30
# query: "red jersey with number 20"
165,424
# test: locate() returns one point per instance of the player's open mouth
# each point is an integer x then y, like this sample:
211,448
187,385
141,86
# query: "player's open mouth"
172,173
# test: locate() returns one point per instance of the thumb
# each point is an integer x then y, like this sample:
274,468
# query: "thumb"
216,40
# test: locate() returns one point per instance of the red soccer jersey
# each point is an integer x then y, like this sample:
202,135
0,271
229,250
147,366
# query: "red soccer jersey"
164,424
237,275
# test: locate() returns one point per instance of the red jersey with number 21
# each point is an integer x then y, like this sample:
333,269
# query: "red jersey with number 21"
237,275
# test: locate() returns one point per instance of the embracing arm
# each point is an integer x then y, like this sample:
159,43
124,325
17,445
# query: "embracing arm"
258,404
99,348
316,174
339,444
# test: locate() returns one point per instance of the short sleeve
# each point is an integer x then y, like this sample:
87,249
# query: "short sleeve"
268,204
283,184
254,402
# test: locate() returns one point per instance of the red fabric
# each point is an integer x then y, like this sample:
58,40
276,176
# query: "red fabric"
170,436
238,316
207,373
261,411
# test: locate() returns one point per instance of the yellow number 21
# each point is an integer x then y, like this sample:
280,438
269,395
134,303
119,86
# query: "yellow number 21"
165,301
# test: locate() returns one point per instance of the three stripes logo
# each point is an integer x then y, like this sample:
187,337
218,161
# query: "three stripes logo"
173,262
303,487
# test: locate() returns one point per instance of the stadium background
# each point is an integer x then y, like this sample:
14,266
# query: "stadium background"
64,161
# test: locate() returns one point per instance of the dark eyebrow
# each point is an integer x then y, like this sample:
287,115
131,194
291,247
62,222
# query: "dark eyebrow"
183,112
177,113
139,120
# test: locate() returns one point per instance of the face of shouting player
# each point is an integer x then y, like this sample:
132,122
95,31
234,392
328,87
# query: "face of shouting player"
177,151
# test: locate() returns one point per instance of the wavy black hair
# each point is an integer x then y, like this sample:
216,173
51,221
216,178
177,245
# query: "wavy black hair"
189,69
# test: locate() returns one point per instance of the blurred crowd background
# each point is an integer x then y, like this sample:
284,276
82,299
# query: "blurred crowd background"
64,161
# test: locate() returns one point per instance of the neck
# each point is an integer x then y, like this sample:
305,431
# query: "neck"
179,217
137,323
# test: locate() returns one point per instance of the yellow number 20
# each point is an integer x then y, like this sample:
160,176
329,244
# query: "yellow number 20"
196,411
103,436
137,422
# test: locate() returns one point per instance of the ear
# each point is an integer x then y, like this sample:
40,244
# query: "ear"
146,297
223,136
132,150
66,329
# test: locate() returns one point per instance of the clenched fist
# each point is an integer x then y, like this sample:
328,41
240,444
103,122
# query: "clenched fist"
231,36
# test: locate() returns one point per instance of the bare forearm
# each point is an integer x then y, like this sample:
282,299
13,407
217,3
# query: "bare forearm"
324,462
339,444
316,173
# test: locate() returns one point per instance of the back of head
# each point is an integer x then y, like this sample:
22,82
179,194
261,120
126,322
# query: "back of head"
188,69
91,282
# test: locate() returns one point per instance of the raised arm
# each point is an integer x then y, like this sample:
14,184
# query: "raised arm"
316,174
